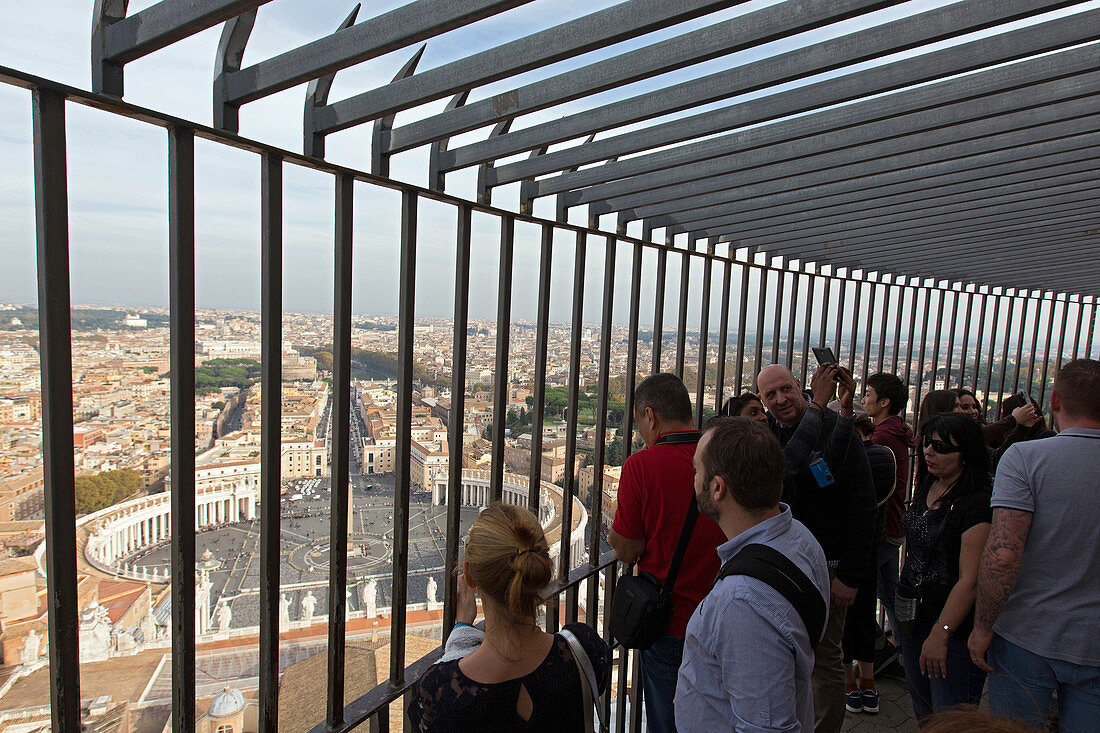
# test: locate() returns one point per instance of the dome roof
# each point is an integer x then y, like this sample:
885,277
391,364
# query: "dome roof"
226,703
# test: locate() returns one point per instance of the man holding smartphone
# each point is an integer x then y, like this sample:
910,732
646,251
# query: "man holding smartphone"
829,489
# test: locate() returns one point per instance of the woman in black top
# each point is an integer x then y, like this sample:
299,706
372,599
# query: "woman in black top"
518,677
946,527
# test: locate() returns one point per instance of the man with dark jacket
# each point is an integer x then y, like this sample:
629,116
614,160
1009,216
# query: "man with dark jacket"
829,489
884,399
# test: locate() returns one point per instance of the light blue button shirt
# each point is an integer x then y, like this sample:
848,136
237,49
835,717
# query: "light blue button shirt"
747,655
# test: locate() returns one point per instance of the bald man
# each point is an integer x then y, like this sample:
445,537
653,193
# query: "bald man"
829,489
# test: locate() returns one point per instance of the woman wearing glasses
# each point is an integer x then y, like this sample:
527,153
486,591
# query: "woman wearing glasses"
946,527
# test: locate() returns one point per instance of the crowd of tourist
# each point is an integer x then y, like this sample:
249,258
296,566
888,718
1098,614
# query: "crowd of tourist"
767,541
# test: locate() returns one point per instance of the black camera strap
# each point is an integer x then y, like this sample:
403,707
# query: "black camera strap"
680,438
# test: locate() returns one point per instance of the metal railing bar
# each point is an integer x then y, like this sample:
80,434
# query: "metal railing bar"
1032,360
792,318
456,416
271,409
704,327
1004,348
838,340
1061,340
951,337
913,293
992,348
1092,328
1077,329
758,343
55,365
595,517
569,482
941,301
922,362
1046,353
777,313
402,472
742,319
807,321
723,337
682,311
538,402
977,341
867,334
899,311
627,429
181,268
1020,342
500,375
854,345
341,448
659,305
823,330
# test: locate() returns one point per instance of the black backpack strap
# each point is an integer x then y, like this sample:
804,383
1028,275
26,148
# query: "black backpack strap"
679,438
770,566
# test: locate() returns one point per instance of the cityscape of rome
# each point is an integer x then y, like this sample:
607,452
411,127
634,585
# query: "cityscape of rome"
121,390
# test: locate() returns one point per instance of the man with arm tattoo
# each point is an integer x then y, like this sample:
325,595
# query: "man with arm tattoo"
1039,576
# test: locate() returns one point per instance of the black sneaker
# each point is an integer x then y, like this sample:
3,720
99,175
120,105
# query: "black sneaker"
853,702
868,700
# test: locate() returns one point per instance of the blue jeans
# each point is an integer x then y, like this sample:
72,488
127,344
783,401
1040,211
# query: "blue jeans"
660,667
962,685
888,556
1024,682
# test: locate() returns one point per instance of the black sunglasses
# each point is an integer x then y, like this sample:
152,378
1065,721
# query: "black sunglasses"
941,446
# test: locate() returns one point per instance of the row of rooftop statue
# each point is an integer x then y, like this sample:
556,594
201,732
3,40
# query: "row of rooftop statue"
758,549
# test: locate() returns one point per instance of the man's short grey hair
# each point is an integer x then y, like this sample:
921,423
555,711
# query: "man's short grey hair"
666,395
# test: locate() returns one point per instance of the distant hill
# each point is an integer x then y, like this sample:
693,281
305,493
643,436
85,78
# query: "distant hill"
83,319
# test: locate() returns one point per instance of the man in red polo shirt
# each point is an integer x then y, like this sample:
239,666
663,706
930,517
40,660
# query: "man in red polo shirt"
656,489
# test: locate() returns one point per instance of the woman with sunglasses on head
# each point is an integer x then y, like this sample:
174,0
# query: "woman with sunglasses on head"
946,527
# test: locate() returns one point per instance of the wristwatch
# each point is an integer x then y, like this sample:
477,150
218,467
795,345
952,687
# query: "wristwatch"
942,625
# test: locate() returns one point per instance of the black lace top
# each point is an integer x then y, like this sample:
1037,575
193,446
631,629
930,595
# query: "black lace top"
444,699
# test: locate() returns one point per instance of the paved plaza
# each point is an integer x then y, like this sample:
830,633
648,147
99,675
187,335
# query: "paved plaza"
304,550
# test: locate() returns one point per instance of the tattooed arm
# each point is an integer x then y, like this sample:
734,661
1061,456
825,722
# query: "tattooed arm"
997,573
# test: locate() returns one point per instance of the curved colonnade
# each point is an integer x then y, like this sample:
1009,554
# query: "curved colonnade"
230,493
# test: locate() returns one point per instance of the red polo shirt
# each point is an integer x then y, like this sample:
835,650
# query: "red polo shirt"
655,490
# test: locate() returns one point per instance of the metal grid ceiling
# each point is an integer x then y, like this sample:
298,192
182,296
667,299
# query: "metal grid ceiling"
958,143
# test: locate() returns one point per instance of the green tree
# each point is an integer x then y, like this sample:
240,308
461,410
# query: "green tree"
101,490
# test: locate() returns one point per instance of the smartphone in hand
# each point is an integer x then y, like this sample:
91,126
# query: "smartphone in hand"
824,355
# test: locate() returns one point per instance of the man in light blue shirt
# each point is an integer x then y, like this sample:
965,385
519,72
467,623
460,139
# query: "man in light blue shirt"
747,653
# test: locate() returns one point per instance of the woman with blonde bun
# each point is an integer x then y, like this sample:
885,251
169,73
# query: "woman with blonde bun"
517,677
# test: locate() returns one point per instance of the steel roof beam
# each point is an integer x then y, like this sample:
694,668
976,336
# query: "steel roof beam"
1019,129
1039,255
849,223
949,228
815,59
117,39
819,185
1054,269
960,122
373,37
575,37
886,113
991,181
1069,222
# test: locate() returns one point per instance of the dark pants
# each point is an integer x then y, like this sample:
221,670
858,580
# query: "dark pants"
660,667
889,555
860,625
962,685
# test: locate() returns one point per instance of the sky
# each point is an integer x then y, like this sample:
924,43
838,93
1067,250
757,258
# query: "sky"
118,170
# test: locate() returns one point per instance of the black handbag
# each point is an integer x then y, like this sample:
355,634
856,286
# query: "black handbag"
641,607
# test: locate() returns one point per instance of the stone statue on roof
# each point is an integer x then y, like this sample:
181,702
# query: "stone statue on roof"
309,605
223,616
32,644
284,611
